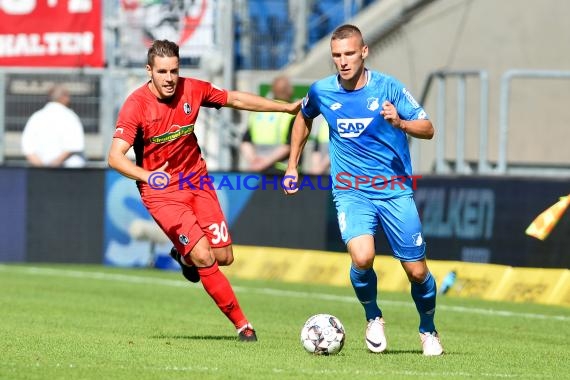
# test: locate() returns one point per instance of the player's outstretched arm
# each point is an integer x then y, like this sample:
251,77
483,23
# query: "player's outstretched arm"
118,160
420,129
299,136
250,102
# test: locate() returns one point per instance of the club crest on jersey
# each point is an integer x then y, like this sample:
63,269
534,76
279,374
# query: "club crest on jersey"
187,108
417,238
183,239
373,104
349,128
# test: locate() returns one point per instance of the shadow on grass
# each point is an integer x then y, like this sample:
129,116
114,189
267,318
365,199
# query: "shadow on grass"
399,352
415,352
195,337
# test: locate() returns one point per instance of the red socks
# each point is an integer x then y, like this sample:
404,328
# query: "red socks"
218,287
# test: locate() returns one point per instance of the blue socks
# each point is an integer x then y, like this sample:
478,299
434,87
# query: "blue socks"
424,297
365,282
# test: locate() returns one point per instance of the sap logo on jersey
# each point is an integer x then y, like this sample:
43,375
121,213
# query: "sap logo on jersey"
352,127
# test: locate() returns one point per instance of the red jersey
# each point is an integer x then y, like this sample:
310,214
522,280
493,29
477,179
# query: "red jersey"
163,130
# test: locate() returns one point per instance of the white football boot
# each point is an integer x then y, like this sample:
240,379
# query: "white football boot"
375,337
431,345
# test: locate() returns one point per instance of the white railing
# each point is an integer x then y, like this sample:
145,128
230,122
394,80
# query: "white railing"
461,166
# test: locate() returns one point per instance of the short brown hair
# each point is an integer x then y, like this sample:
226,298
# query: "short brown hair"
162,48
345,31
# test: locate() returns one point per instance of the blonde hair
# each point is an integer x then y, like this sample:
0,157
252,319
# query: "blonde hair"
346,31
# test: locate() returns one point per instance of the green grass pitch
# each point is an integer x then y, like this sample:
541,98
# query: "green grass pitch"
94,322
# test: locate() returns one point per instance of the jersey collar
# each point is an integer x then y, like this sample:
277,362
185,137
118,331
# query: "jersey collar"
339,86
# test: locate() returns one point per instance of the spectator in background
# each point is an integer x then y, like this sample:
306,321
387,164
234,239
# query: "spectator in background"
265,144
53,135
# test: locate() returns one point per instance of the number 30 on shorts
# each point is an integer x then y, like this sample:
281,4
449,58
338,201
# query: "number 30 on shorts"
220,232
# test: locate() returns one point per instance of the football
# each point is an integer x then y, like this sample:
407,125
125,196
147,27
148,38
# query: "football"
323,334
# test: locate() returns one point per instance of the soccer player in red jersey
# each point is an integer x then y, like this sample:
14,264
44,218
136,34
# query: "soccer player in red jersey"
158,120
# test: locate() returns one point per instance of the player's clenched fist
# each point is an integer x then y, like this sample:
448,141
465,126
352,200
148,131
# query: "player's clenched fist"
290,180
390,114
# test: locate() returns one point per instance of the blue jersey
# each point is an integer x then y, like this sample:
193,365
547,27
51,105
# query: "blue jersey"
367,153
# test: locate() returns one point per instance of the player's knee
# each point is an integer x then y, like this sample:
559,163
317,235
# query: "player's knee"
224,255
226,260
362,253
363,262
417,274
202,256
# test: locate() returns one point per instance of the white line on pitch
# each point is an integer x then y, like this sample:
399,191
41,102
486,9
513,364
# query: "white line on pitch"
384,372
274,292
303,371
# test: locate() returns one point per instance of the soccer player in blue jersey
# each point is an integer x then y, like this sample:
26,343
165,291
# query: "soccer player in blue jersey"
370,115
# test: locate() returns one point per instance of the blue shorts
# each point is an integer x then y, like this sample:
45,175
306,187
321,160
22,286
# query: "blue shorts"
358,215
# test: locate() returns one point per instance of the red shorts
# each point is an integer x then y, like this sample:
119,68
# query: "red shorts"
187,215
